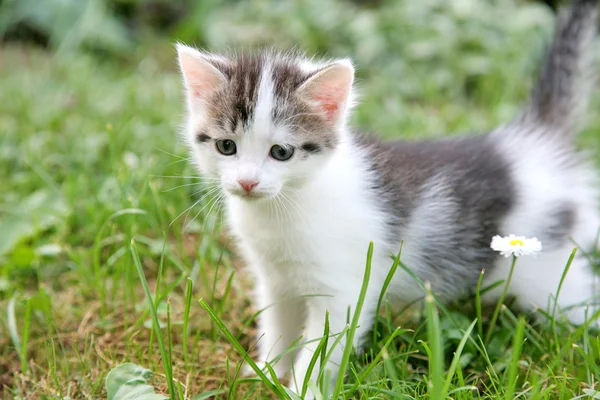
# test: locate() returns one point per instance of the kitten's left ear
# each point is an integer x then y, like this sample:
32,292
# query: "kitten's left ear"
329,90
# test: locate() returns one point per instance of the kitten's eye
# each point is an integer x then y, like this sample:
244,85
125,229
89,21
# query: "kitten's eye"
226,147
282,153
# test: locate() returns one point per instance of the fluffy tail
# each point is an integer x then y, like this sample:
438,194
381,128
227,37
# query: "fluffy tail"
563,88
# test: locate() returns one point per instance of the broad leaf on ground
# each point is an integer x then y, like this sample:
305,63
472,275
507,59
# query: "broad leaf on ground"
129,382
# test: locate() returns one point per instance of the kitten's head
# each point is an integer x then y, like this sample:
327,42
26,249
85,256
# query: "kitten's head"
263,122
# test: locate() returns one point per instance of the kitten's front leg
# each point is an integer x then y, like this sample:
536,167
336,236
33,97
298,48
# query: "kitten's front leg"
337,306
279,324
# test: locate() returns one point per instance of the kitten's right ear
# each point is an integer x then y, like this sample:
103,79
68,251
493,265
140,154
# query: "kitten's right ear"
330,89
202,79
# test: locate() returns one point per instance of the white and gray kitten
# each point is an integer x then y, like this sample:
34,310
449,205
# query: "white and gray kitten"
305,195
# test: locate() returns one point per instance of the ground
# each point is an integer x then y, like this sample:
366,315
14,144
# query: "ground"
93,173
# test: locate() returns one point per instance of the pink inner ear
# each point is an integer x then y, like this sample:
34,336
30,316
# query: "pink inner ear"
202,78
203,83
329,105
330,97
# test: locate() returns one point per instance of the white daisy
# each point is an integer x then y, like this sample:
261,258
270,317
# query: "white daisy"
516,245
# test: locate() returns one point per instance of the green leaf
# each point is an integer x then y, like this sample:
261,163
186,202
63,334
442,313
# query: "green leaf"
128,382
594,394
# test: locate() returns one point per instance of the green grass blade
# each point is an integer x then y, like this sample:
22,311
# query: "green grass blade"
97,270
186,319
12,327
533,337
436,353
560,283
240,349
478,304
514,363
320,351
157,297
376,359
352,330
456,359
500,302
386,283
166,360
25,339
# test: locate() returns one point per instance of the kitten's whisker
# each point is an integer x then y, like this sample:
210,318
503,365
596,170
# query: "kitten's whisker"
299,210
171,154
299,115
180,186
281,211
273,209
204,207
187,209
204,189
218,200
193,205
286,211
200,179
178,161
299,127
174,176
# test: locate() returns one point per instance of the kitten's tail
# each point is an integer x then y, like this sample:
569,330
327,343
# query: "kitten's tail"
563,87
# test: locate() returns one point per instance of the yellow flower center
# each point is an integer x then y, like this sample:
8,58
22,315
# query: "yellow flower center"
516,242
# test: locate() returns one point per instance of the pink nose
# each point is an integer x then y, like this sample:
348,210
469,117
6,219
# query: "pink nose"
247,185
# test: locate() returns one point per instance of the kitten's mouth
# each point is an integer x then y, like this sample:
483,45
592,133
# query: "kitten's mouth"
252,196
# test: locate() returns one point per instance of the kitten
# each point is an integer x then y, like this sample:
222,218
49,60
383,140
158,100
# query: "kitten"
305,195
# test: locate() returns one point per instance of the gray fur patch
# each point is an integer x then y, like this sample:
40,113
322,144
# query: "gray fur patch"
311,148
472,179
232,108
560,225
234,104
202,137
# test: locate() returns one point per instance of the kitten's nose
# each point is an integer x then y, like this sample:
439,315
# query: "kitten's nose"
247,184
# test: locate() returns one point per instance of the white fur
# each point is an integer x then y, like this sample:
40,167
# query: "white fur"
313,250
536,157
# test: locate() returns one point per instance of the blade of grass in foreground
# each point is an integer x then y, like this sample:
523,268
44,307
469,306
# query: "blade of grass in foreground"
562,280
167,364
25,339
157,297
514,362
372,364
436,354
386,283
354,324
240,349
320,351
186,317
456,359
97,270
500,303
12,327
478,304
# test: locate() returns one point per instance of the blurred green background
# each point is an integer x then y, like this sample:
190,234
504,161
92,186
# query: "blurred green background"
423,51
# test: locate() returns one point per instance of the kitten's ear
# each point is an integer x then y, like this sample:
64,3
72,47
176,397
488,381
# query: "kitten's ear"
200,75
330,89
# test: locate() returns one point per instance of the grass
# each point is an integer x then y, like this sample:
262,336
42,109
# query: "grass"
90,159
